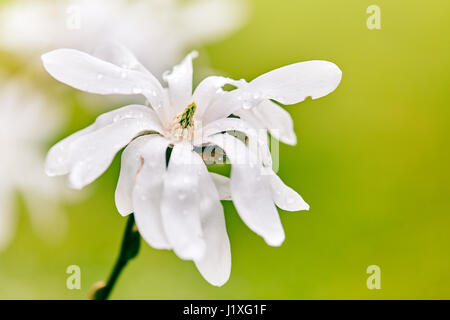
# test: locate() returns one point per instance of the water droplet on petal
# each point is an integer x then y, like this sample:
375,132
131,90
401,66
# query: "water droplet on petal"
99,76
246,105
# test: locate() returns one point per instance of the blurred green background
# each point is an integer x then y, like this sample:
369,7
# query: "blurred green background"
372,161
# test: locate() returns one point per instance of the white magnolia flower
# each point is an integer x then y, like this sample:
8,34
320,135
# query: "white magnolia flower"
160,29
26,123
178,207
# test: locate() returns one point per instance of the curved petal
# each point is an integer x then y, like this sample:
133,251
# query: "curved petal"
208,90
180,203
88,153
88,73
148,190
59,158
251,191
285,197
222,184
224,103
119,55
93,153
257,138
131,164
180,84
288,85
272,117
215,265
294,83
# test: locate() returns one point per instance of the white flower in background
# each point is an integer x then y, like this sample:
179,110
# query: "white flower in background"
26,123
178,207
158,31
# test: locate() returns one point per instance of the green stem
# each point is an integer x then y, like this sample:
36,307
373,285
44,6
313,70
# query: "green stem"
128,250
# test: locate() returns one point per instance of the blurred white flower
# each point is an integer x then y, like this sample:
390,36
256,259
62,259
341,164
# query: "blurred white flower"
157,31
179,207
26,123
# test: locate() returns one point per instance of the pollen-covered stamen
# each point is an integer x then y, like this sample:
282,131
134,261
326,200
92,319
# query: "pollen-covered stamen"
183,124
187,118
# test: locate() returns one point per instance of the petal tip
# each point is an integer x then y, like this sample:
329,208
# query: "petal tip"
123,211
193,54
75,182
47,55
75,186
193,251
217,277
123,206
49,172
289,140
218,283
275,241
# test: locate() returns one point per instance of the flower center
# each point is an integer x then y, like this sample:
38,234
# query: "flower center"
183,124
187,117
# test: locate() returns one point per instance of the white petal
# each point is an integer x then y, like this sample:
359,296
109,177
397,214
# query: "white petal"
215,265
288,85
94,152
294,83
257,138
272,117
148,191
222,184
131,164
59,158
285,197
119,55
208,90
180,84
88,73
180,204
88,153
250,190
224,103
